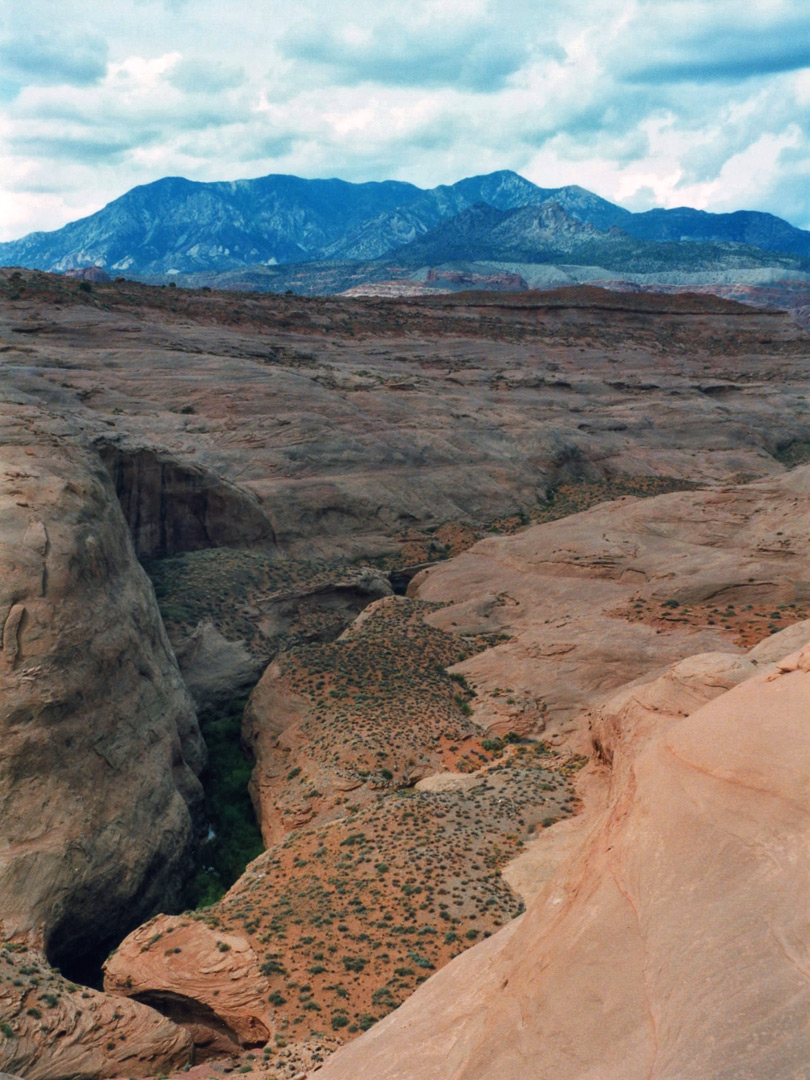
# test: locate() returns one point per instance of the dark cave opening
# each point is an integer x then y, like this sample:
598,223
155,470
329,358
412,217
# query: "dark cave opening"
189,1012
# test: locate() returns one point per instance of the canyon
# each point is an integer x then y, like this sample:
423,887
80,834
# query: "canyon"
501,603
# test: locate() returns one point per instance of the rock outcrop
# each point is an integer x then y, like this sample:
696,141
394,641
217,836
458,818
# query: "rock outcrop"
215,668
100,744
352,422
172,507
51,1028
207,979
672,941
308,437
597,599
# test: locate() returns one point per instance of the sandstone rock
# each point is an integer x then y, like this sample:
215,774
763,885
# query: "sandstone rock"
88,273
100,740
585,600
51,1029
447,782
214,668
357,429
263,417
173,507
203,978
669,942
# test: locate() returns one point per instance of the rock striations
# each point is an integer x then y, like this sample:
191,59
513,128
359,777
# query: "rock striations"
625,887
52,1028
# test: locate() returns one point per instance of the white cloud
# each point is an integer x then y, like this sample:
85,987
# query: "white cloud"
675,101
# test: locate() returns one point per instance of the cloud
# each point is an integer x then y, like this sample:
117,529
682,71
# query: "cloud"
478,57
78,148
733,57
722,41
203,77
665,101
52,59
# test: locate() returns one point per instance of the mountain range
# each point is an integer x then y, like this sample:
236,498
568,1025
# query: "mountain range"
347,233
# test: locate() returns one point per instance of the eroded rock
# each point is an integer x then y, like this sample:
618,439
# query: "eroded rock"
668,943
98,785
204,978
51,1028
595,600
172,506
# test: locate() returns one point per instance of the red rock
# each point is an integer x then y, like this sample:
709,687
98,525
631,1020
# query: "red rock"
51,1029
203,978
669,944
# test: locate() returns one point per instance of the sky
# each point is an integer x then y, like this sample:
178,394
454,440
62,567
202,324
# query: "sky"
701,103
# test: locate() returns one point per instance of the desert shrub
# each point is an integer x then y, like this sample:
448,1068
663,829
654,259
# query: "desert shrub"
354,963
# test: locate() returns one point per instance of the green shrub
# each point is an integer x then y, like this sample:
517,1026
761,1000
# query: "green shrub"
354,963
236,839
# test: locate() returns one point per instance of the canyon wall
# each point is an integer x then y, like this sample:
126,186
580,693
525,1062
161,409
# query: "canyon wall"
100,744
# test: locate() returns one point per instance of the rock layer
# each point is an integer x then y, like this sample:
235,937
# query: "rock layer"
204,978
51,1029
597,599
171,507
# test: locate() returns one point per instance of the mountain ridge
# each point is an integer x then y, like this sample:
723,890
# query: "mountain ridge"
178,226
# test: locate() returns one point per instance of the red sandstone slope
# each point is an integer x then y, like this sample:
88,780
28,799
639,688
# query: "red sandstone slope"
673,941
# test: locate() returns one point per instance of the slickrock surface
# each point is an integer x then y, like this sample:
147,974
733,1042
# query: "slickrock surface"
51,1028
597,599
220,987
325,430
100,745
338,727
672,941
533,628
275,458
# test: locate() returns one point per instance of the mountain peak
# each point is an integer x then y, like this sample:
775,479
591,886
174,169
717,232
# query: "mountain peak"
192,226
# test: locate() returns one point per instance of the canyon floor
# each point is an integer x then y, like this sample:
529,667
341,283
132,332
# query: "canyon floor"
345,640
